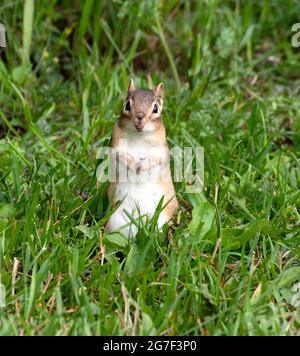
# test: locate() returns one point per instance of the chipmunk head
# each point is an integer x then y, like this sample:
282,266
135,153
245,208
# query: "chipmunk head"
142,108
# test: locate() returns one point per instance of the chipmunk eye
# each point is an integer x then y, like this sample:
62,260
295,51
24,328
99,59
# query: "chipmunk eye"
127,106
155,109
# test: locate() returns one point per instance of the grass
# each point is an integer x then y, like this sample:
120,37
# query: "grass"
231,263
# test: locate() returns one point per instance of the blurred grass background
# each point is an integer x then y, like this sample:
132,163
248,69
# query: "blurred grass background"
230,264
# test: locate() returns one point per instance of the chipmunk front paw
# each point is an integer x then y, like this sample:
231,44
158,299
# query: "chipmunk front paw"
126,158
143,164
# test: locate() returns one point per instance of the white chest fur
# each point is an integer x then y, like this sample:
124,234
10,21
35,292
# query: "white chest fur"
141,191
144,150
139,146
141,187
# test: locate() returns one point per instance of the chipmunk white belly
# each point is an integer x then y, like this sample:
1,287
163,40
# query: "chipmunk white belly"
141,192
140,200
143,196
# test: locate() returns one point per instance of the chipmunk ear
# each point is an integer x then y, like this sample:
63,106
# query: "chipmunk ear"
159,91
131,87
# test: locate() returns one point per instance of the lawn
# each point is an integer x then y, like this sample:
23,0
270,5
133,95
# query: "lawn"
230,263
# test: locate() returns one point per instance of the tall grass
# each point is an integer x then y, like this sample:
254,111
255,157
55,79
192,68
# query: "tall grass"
230,263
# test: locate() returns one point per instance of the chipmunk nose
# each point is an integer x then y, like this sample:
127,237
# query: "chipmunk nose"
140,116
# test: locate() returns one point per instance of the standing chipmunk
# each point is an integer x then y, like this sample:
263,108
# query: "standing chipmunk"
140,150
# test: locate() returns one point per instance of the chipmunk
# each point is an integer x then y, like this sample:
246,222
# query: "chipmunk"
140,150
